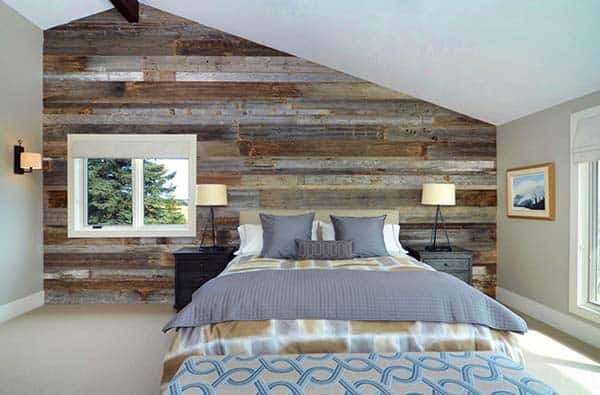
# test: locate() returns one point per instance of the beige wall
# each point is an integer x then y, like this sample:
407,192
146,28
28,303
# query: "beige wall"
533,256
20,195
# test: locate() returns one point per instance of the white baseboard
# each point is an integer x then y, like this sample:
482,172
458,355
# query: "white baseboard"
21,306
577,328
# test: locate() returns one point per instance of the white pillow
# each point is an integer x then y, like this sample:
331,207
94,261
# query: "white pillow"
391,237
327,231
251,238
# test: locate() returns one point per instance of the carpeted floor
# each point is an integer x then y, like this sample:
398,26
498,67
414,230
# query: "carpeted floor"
118,349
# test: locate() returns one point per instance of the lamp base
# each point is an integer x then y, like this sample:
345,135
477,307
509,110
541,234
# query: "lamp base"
438,248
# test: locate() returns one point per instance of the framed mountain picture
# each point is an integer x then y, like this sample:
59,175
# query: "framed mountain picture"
530,192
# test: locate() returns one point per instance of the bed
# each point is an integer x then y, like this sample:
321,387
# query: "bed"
264,306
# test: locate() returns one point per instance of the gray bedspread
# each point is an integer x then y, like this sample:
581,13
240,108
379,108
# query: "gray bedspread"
349,295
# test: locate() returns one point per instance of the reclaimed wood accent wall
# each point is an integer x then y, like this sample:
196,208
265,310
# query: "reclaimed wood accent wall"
282,132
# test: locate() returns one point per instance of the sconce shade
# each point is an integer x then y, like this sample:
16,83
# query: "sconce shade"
31,160
211,195
439,194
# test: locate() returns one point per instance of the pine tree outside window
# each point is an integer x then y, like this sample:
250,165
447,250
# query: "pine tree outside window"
131,185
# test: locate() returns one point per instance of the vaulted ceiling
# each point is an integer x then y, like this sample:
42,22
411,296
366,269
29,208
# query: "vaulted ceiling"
496,60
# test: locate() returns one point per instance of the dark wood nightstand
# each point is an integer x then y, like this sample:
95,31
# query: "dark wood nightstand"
458,262
194,267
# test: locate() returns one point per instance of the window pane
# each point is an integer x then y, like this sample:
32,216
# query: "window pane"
594,291
166,191
109,192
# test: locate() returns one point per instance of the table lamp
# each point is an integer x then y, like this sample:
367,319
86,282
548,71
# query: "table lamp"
438,195
211,195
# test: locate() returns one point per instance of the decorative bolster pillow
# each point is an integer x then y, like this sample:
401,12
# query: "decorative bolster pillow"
324,249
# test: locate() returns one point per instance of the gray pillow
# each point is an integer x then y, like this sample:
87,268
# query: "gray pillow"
281,231
324,249
366,234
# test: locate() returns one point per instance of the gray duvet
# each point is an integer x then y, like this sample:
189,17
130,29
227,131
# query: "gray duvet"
348,295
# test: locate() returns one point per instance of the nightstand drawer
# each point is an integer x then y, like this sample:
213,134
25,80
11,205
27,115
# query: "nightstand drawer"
201,265
457,262
448,264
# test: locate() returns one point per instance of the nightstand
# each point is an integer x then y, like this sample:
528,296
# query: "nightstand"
458,262
194,267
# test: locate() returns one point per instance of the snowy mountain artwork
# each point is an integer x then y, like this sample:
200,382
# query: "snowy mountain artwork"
530,191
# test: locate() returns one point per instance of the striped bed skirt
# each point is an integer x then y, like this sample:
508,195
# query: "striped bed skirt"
436,373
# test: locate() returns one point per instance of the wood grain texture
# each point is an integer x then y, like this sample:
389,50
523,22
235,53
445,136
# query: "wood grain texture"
280,131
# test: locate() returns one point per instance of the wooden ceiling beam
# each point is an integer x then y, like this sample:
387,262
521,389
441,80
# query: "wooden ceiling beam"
130,9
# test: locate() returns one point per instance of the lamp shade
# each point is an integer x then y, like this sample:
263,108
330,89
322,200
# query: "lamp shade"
31,160
439,194
211,195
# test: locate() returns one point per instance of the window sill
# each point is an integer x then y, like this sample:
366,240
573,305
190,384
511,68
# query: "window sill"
113,233
587,311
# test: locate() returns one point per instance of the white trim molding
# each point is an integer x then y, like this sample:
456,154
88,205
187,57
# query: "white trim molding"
566,323
21,306
582,153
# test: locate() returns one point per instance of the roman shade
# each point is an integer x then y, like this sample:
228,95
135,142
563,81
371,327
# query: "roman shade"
586,135
131,146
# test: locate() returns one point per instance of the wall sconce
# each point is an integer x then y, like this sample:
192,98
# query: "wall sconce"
26,162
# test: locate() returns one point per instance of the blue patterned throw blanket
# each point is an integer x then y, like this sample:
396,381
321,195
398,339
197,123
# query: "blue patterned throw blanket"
436,373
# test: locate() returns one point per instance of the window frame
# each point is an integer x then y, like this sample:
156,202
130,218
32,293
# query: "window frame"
581,221
77,190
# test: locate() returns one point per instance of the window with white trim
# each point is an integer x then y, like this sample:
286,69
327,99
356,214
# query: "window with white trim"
585,214
131,185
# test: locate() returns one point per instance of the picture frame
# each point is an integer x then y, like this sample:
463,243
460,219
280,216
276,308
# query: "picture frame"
530,192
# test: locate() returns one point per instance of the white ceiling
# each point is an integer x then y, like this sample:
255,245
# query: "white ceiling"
496,60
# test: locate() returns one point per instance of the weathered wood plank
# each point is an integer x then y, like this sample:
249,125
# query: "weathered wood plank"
263,77
65,64
249,112
233,64
484,278
361,165
97,76
56,199
71,91
367,148
340,181
362,199
454,214
85,296
58,133
394,133
87,292
131,259
67,274
331,147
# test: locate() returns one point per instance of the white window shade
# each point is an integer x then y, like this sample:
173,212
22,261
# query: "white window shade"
131,146
586,135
